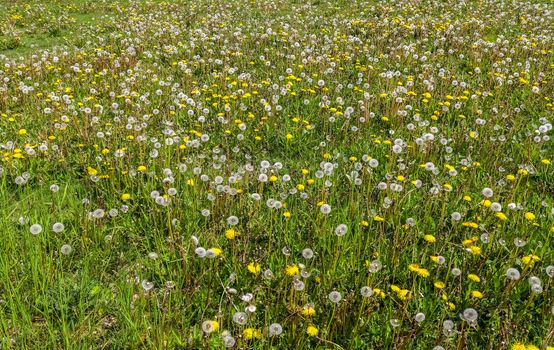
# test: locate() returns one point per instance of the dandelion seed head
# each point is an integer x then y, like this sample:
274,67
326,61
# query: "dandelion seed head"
240,318
470,315
275,329
66,249
325,209
366,292
487,192
341,230
147,285
307,253
335,297
419,317
58,227
513,274
35,229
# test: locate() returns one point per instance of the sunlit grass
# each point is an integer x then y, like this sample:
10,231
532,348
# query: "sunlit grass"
276,175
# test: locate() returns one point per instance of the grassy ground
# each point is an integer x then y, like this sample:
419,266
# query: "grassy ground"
191,152
31,25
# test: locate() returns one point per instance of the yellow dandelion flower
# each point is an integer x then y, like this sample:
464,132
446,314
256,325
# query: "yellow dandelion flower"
403,294
473,277
379,293
254,268
530,216
430,238
250,333
423,272
217,251
530,259
230,233
470,224
308,311
312,331
292,270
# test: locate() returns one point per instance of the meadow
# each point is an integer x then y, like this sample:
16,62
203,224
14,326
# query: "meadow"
275,174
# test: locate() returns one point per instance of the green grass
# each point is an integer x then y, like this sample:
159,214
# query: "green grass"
31,33
112,103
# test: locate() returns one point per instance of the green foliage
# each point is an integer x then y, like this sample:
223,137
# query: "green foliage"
355,172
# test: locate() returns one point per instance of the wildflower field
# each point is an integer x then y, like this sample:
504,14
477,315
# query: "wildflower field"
275,174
